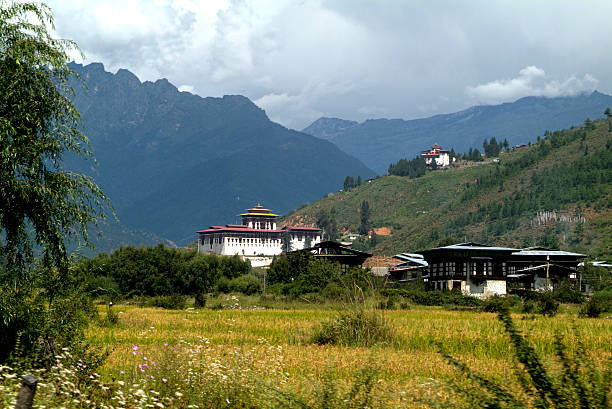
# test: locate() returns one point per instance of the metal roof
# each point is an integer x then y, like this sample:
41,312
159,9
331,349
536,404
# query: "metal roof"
546,252
470,246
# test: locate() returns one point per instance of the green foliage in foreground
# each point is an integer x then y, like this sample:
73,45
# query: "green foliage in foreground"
574,383
41,307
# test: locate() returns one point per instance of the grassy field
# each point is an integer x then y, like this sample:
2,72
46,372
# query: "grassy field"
247,348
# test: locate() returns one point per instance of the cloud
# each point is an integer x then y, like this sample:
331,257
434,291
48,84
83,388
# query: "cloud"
354,60
293,110
531,81
186,88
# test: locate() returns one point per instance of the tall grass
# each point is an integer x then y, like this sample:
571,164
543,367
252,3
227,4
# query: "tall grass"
573,381
355,328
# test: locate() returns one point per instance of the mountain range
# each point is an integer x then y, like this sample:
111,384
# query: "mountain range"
173,162
380,142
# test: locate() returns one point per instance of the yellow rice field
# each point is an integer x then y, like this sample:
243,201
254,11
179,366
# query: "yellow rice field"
273,344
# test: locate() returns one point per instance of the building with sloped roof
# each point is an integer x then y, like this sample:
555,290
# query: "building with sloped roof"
338,253
437,155
474,269
257,239
539,268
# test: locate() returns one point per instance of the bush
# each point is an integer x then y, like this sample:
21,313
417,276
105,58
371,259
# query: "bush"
29,328
247,284
495,304
433,297
528,307
200,300
592,309
547,305
169,302
223,285
102,286
599,303
567,292
357,328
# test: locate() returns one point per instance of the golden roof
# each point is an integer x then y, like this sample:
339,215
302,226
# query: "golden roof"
258,211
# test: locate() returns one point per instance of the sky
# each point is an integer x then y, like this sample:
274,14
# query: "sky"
354,59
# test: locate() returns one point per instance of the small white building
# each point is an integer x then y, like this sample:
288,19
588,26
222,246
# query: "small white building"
257,239
436,153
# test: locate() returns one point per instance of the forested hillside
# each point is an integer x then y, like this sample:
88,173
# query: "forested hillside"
556,192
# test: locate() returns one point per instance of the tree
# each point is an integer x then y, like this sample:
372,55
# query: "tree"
608,113
41,204
364,214
349,183
359,181
38,125
286,241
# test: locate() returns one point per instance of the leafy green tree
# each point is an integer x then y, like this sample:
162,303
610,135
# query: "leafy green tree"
286,241
359,181
364,214
447,241
608,113
41,204
38,125
349,183
413,168
549,240
327,222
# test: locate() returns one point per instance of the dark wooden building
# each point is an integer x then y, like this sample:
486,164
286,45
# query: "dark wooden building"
473,268
338,253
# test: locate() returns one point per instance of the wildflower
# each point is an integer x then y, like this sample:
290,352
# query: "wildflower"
164,380
178,394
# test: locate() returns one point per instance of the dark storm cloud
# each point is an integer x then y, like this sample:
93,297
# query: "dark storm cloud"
353,59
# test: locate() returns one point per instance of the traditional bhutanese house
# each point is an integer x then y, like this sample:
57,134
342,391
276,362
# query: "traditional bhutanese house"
338,253
538,268
412,267
257,239
437,154
476,269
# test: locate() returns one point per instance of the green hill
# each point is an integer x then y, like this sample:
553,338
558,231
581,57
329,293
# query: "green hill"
556,192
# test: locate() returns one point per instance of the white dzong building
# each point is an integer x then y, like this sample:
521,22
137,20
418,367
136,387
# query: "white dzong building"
437,154
257,239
